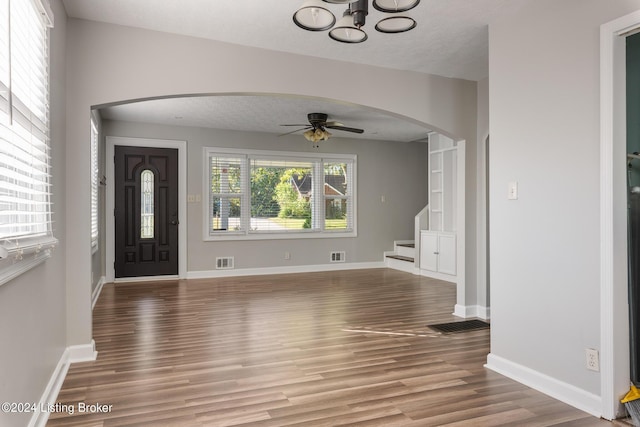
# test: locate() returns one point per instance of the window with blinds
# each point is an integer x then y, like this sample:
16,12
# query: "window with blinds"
25,190
226,183
258,194
95,185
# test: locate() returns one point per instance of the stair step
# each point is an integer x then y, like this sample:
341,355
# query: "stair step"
407,245
401,258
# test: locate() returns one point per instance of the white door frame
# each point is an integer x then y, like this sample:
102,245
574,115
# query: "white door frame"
181,146
614,317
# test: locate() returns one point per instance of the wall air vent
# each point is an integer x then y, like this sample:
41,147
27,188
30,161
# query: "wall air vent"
224,263
337,256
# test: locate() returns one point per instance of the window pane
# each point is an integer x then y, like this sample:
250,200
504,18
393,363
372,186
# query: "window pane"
335,214
225,199
225,214
146,205
337,197
225,175
281,195
25,209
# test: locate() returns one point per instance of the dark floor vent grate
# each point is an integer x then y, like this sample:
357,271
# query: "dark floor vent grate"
467,325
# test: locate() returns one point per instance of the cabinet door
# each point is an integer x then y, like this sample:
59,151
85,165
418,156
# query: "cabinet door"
447,253
429,251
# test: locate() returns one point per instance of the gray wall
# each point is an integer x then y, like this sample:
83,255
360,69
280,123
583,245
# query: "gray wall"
32,306
396,171
108,63
544,108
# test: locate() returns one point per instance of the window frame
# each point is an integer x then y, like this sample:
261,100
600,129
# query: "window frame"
318,217
21,252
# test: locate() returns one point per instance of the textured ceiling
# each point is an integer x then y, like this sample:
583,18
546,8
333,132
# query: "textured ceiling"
451,40
265,114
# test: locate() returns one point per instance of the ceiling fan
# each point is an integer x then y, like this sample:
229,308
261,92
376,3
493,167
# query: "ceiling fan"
316,130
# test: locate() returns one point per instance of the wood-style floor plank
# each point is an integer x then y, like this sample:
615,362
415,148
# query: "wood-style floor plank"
319,349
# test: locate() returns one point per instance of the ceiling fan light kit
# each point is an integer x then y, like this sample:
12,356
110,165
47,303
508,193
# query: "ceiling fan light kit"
313,15
316,130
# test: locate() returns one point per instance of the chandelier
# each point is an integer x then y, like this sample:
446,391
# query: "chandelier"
314,15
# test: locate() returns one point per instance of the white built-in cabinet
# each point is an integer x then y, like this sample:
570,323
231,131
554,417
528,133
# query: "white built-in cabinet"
438,251
438,242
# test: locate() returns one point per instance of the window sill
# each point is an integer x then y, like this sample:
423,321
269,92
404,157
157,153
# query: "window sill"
17,260
266,235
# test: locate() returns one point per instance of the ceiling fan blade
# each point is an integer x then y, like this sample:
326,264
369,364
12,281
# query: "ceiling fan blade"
294,131
299,124
344,128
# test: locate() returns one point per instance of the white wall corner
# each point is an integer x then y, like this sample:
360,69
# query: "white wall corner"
483,312
567,393
82,352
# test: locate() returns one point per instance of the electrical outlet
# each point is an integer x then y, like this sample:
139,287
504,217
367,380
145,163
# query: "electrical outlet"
593,360
287,255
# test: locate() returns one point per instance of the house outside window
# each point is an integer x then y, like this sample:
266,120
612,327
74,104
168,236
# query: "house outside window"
254,194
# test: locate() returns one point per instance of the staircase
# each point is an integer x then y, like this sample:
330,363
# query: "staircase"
402,257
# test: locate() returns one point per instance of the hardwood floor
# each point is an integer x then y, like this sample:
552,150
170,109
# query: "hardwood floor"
318,349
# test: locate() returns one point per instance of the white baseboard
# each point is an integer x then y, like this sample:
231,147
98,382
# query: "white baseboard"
567,393
397,264
466,311
72,354
208,274
440,276
39,419
96,292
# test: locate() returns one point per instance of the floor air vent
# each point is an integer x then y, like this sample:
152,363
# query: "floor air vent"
337,256
467,325
224,263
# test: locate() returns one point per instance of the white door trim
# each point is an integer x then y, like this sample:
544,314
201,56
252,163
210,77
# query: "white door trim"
181,146
614,320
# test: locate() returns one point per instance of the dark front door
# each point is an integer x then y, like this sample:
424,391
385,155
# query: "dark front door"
146,211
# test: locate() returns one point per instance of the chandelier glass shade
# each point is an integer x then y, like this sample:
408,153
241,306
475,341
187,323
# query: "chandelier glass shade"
346,31
394,6
314,15
395,24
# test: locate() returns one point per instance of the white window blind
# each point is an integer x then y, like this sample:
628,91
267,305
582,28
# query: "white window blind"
95,185
226,194
25,191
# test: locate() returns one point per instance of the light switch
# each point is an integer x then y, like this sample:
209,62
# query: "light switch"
513,191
